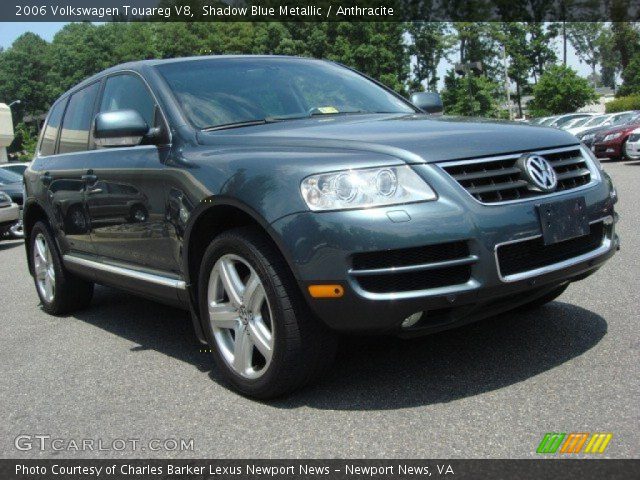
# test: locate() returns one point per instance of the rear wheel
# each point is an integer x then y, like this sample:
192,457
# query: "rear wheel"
59,290
263,336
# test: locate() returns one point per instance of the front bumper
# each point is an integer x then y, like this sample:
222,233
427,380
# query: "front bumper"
320,248
611,149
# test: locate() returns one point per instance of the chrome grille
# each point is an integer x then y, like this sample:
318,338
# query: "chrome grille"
497,179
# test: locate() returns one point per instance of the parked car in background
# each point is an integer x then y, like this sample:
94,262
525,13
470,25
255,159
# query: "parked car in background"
11,184
593,122
632,147
537,121
18,168
9,214
611,143
561,120
576,121
628,118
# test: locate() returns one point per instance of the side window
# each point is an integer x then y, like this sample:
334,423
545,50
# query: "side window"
50,134
128,92
77,120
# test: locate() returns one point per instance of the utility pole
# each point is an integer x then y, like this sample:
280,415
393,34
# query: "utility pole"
506,80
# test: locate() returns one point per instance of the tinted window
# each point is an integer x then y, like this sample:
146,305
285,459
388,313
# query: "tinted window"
223,91
9,177
77,120
50,135
128,92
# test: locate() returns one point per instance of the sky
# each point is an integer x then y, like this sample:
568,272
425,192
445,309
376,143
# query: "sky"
9,31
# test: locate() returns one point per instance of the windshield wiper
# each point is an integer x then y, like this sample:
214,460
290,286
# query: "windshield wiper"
245,123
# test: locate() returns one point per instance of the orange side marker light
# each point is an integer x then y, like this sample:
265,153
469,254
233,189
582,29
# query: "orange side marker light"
326,291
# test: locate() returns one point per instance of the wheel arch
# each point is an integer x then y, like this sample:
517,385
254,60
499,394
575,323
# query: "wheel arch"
213,216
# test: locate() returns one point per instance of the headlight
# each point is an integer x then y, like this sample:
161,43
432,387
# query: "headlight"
364,188
611,136
587,137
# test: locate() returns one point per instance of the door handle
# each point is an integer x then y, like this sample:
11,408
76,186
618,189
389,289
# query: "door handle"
90,178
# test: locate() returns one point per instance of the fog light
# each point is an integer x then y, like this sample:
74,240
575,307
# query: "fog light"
412,319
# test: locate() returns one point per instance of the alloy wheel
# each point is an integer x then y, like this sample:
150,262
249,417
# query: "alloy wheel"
44,268
240,316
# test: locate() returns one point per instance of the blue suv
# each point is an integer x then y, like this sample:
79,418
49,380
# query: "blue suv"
283,200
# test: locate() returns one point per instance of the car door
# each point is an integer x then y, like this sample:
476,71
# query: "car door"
64,145
128,220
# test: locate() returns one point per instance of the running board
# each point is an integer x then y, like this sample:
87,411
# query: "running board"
127,272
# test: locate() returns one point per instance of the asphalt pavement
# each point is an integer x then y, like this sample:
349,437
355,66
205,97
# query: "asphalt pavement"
130,370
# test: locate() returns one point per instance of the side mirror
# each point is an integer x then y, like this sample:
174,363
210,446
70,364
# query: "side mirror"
120,128
429,102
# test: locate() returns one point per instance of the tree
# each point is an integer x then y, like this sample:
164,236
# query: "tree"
25,74
609,58
430,41
470,95
631,78
540,49
585,38
560,90
626,41
78,51
514,39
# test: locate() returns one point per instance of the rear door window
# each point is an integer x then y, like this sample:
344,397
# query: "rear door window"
77,120
50,134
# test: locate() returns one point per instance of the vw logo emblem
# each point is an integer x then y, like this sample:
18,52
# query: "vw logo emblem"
538,172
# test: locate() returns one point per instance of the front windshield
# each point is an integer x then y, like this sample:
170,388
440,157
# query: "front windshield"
9,177
581,122
622,119
594,122
227,91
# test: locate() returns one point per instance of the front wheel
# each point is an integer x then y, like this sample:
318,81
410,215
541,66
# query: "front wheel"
264,338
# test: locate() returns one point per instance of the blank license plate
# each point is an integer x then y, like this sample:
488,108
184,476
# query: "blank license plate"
563,220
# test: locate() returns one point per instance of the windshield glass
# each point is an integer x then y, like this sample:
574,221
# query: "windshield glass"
9,177
226,91
581,122
594,122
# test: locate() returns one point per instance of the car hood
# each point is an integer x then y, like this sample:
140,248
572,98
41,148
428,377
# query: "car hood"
415,138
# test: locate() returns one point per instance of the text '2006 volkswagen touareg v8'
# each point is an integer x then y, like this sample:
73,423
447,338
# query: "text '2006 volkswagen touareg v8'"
282,200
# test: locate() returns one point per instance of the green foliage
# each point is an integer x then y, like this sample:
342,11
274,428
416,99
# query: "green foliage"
24,142
430,42
560,90
622,104
631,78
25,74
585,38
471,95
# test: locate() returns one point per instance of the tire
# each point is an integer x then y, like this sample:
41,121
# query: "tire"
301,347
69,292
543,300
